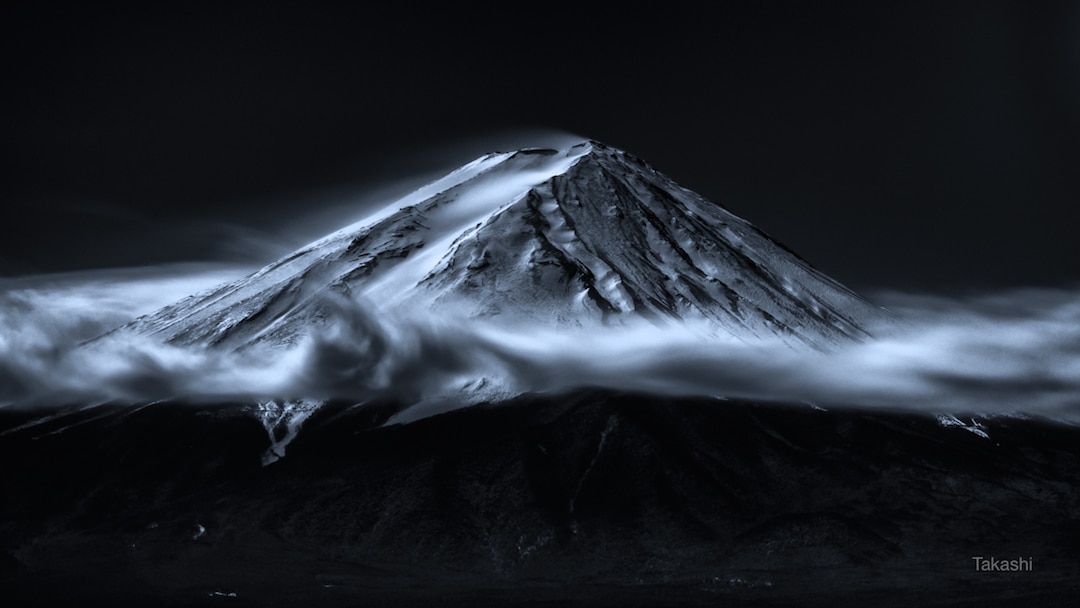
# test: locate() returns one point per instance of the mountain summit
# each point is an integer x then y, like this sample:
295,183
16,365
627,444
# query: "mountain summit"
538,236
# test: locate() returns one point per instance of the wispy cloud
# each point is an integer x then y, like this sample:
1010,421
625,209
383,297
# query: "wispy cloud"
1013,351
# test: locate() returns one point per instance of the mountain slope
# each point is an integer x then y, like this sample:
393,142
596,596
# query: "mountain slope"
557,237
599,497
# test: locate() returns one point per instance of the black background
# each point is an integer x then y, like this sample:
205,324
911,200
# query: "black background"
928,146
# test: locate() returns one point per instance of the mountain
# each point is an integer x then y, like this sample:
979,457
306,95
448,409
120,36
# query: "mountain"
586,234
588,496
535,238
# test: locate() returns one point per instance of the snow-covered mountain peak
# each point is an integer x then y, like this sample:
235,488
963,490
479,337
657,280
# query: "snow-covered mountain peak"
584,234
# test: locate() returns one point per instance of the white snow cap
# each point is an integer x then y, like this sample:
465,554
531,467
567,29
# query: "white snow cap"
570,237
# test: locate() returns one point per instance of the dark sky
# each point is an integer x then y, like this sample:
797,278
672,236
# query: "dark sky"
930,146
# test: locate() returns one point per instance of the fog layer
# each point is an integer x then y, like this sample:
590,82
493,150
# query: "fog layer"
1009,352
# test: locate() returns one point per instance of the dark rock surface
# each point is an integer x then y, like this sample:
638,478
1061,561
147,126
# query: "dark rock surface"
590,498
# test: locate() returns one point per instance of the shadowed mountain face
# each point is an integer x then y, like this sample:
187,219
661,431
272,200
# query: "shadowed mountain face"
588,234
592,498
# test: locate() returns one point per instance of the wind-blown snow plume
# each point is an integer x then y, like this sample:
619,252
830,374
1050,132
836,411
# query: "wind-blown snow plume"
1009,352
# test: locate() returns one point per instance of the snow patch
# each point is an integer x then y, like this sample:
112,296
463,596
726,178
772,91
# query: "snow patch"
974,426
282,422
